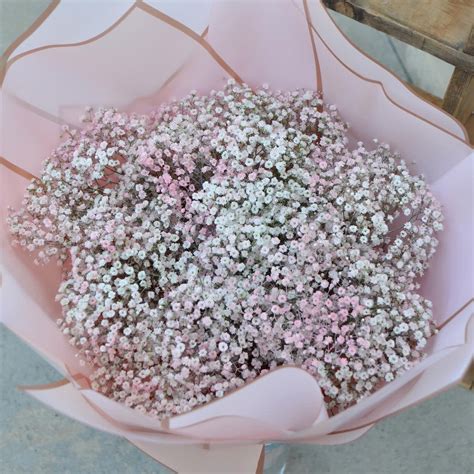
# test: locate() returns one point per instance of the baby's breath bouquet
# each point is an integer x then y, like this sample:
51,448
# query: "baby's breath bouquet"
225,236
233,264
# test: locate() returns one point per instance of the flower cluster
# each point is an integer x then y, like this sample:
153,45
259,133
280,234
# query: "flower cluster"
225,235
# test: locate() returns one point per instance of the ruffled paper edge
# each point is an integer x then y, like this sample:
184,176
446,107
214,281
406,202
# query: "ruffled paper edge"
8,58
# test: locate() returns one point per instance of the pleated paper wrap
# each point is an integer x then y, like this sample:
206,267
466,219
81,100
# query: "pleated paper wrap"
136,55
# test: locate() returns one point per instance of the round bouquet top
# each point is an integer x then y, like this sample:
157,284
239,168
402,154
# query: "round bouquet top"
228,234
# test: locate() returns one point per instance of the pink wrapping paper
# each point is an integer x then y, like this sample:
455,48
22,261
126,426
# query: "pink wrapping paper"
134,55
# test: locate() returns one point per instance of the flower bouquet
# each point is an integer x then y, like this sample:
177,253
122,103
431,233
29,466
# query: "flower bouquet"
214,263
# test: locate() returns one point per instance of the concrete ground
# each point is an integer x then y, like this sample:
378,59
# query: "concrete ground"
436,437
